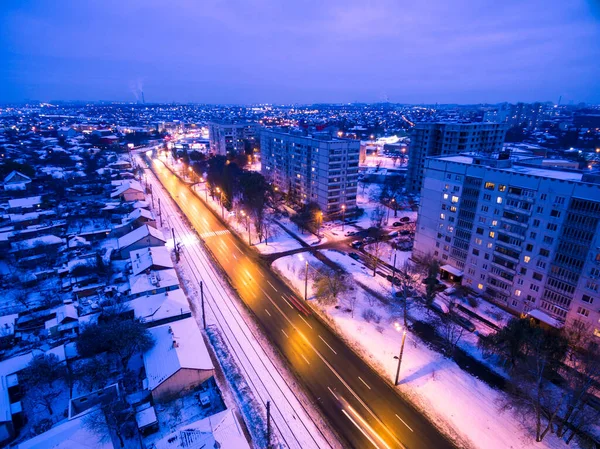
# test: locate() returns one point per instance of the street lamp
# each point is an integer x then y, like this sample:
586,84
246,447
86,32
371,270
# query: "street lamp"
319,221
343,216
399,328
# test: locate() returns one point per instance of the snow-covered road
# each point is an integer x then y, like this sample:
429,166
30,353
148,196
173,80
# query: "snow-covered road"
297,423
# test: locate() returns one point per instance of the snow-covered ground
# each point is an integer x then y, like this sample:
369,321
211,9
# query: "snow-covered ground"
459,403
297,423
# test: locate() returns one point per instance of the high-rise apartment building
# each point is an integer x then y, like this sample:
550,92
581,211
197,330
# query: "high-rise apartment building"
523,236
231,138
442,139
312,167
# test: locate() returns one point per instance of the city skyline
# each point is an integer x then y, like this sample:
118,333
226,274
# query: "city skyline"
267,53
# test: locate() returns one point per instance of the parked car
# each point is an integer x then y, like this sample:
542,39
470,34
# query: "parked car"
393,234
440,306
398,223
367,240
405,232
354,256
381,273
394,279
463,322
351,233
405,219
357,244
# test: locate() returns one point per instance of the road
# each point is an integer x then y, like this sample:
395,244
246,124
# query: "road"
360,405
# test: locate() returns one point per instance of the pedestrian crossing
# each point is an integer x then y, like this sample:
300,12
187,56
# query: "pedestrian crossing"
210,234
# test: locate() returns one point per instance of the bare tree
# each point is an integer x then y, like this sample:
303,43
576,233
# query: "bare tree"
408,280
114,417
329,284
43,396
451,332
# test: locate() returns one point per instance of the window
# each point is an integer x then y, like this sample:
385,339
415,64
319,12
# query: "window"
560,200
526,259
501,188
489,245
583,312
445,196
544,252
479,231
449,176
482,220
484,208
454,199
499,200
452,208
529,247
492,234
490,185
540,264
480,286
587,298
538,276
549,240
443,216
484,266
540,210
475,252
487,197
494,222
591,285
551,227
595,272
534,287
455,188
517,292
486,256
543,196
533,235
536,223
554,213
478,241
520,281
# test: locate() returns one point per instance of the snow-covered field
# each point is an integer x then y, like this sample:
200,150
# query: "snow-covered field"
464,406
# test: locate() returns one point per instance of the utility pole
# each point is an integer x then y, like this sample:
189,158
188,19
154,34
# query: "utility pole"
202,300
306,283
159,213
400,357
394,270
268,424
151,194
175,246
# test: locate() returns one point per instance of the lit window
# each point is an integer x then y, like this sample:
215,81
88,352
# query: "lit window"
445,196
501,188
489,245
490,185
443,216
478,241
480,286
517,292
494,222
492,234
526,259
499,200
454,199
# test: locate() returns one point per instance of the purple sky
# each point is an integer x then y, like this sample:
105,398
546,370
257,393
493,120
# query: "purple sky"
275,51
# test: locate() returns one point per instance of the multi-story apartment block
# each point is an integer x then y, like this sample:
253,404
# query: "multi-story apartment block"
447,138
231,138
313,168
523,236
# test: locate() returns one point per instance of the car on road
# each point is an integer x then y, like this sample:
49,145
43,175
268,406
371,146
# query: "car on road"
351,233
398,223
393,234
354,256
393,279
463,322
356,244
367,240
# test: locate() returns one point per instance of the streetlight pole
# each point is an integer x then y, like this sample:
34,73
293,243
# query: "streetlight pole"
306,282
343,216
401,352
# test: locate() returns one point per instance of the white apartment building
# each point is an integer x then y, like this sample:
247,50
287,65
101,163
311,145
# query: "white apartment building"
314,168
231,138
447,138
523,236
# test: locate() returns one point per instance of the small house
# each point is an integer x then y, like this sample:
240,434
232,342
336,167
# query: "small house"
16,180
142,237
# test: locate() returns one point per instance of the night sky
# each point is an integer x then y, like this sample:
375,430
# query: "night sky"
268,51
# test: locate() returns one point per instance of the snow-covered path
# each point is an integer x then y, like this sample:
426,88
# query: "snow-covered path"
298,425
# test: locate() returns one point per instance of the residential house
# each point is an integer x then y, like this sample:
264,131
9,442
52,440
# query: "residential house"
22,205
16,181
178,362
153,282
161,308
143,237
139,217
155,258
129,191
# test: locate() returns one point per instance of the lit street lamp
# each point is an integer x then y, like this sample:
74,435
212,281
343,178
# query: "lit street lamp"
222,208
319,222
399,328
343,216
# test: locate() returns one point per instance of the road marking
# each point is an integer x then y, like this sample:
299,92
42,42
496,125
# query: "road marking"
367,436
268,313
366,384
272,286
288,303
305,359
409,428
302,318
238,248
323,340
331,391
285,333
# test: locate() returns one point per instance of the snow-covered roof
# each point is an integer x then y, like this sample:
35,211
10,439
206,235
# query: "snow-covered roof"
5,414
178,345
43,240
17,176
158,307
69,434
157,256
25,202
450,269
7,324
222,428
138,234
146,282
140,212
129,185
545,318
140,203
146,417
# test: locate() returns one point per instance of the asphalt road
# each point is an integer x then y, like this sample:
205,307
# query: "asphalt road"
360,405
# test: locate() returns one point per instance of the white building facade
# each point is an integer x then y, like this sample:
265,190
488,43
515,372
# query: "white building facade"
231,138
522,236
448,138
314,168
